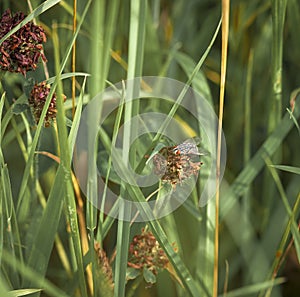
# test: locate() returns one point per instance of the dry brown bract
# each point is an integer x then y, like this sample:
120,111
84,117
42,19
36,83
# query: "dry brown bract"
37,101
175,164
22,50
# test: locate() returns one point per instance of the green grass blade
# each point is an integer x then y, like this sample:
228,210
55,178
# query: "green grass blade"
23,292
136,195
111,25
176,105
43,242
138,10
65,163
51,80
76,119
1,190
44,239
1,110
37,280
176,261
256,163
122,251
8,222
291,215
275,104
252,289
246,207
188,83
12,234
294,120
8,115
290,169
199,82
105,225
97,81
278,17
95,85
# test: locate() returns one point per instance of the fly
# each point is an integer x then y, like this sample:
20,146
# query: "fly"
176,163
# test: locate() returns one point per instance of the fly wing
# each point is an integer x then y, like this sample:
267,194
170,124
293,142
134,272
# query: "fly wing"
189,147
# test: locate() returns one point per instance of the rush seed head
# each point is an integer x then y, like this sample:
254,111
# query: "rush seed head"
22,50
146,253
37,101
174,164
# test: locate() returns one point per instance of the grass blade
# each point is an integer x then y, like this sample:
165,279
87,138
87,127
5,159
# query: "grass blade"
256,163
37,280
291,169
136,195
42,245
252,289
138,11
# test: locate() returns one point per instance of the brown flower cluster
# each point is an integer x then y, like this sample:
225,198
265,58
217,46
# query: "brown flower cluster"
37,101
22,50
103,263
146,253
21,53
174,164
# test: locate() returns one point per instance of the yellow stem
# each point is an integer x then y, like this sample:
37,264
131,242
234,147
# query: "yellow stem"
225,28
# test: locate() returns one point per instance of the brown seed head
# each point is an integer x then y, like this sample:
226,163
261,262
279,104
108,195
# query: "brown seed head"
37,101
145,252
22,50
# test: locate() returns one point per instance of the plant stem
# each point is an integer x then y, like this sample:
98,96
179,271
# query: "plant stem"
225,33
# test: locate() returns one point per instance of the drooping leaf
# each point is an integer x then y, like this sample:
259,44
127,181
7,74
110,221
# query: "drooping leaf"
291,169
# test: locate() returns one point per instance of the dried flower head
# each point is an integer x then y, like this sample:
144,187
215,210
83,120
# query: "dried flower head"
146,253
175,164
37,101
22,50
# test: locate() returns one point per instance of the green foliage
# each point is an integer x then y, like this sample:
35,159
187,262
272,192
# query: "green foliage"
48,227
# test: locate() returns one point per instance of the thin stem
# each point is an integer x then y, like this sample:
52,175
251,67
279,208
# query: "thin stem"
147,199
74,57
225,33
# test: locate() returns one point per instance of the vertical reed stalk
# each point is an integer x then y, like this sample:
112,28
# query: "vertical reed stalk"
225,33
73,66
275,106
138,11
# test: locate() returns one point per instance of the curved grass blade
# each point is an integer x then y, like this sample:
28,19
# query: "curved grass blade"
176,105
199,82
256,163
51,80
32,276
290,169
293,118
23,292
292,223
253,289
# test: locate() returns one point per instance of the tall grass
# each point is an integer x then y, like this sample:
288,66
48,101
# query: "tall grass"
49,228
